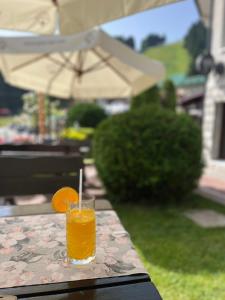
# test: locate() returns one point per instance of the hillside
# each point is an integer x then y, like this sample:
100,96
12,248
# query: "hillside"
174,56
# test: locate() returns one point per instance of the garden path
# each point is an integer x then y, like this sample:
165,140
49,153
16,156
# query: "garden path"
212,184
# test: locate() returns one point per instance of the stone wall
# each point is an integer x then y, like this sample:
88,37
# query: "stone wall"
215,88
214,98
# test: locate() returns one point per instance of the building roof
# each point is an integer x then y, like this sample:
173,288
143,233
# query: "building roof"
204,7
185,101
181,80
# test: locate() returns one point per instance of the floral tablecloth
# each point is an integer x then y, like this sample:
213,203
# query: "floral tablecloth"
32,251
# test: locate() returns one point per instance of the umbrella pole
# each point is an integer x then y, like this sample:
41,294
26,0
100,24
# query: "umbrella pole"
50,122
41,116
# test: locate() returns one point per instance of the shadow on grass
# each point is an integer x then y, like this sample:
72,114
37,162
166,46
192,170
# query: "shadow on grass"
165,237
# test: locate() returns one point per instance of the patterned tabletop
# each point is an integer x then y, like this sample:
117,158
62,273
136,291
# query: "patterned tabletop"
32,251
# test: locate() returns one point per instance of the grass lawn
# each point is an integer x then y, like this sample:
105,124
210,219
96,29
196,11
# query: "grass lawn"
175,57
4,121
185,262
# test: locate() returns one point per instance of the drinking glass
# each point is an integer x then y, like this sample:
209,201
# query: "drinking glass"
81,231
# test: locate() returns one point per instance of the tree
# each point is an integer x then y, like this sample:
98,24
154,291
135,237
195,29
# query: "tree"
30,108
86,115
10,97
195,42
169,95
130,42
152,40
150,96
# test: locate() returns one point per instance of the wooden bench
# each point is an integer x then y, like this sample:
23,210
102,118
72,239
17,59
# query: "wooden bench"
38,148
29,175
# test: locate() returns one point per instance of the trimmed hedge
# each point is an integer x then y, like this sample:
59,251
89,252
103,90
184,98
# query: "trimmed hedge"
86,115
149,97
149,154
169,99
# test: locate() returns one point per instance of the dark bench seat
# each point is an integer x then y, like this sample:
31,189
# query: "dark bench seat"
30,175
12,149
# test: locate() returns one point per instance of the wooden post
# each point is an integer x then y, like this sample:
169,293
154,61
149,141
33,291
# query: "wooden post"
50,122
41,116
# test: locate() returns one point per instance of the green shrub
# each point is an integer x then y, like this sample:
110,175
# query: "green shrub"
149,154
150,96
169,98
86,114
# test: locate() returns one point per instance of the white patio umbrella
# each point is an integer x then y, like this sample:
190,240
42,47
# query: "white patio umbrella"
71,16
86,66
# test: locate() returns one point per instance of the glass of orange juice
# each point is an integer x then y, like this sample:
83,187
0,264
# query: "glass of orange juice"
81,231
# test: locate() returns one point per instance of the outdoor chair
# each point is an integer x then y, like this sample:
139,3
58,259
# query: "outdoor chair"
30,175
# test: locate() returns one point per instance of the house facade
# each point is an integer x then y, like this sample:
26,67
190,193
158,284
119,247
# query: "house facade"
213,14
190,95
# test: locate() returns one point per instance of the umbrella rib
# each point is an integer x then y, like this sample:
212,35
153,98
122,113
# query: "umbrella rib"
111,66
29,62
56,75
59,63
71,68
81,59
91,68
97,65
69,62
72,83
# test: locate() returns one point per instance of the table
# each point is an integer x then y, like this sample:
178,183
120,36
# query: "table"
45,208
32,251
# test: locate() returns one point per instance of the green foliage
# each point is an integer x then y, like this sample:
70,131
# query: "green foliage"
166,97
169,95
30,107
86,114
148,154
5,121
195,42
10,97
175,57
150,96
130,42
30,103
152,40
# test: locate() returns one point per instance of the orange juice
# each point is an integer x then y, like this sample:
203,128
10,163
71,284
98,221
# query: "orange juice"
81,233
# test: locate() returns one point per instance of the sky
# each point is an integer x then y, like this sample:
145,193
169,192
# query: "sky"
172,20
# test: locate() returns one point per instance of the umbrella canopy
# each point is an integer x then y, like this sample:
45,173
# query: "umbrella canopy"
86,66
72,16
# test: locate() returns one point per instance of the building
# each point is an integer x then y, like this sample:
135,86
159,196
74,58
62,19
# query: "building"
190,95
193,106
213,14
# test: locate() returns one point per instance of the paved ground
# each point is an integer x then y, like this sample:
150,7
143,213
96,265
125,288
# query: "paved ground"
206,218
212,185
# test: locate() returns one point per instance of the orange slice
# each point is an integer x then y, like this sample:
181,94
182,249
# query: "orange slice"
61,198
